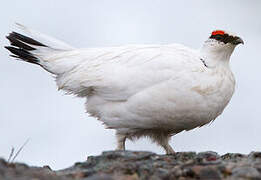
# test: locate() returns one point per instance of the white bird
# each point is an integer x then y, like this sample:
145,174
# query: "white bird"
139,90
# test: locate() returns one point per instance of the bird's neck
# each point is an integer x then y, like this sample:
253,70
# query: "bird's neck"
216,56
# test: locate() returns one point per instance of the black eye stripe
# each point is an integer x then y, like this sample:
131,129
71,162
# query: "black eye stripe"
217,37
225,38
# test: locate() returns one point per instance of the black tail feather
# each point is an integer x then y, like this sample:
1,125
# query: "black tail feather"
17,43
22,54
28,40
20,47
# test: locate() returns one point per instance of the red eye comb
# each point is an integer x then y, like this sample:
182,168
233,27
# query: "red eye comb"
218,32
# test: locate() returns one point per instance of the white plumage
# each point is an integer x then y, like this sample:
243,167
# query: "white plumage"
140,90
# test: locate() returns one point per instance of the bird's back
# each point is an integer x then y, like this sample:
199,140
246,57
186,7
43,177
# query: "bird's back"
119,72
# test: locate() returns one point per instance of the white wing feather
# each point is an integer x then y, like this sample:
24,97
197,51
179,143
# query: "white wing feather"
117,73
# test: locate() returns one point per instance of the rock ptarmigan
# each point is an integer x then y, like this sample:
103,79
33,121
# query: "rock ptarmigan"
139,90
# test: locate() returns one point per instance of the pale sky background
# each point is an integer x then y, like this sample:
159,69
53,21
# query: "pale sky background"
60,131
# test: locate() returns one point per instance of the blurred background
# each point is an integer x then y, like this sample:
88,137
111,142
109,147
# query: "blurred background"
60,131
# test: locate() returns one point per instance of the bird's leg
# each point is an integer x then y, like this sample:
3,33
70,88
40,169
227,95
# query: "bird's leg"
120,141
165,144
168,149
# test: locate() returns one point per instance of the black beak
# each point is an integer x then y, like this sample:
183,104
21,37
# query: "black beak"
237,41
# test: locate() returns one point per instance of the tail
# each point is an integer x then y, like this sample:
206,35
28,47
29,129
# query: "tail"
34,47
21,47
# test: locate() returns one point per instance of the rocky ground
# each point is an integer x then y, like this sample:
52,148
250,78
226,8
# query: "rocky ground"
131,165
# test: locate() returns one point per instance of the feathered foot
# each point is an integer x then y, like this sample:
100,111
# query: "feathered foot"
163,141
168,149
120,142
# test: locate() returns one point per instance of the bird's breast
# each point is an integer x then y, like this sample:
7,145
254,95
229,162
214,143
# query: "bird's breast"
213,93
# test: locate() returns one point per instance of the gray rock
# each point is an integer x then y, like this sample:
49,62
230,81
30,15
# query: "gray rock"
255,155
133,165
210,173
246,172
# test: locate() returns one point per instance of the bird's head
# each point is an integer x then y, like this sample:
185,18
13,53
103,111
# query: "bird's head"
220,45
224,38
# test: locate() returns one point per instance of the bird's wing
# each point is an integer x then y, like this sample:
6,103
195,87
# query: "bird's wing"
117,73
